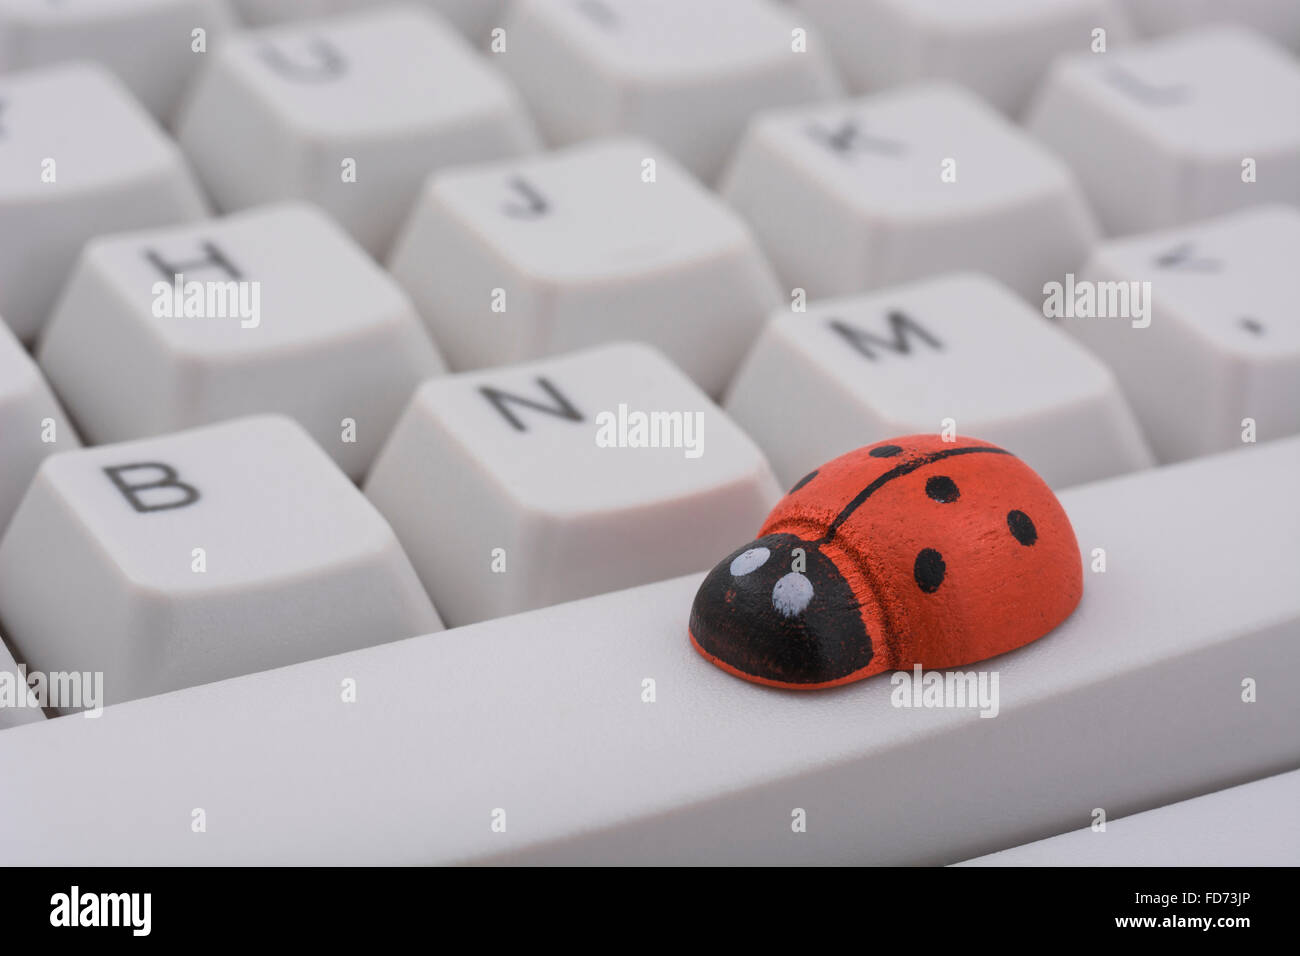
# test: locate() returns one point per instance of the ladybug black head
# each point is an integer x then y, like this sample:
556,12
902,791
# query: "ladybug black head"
778,611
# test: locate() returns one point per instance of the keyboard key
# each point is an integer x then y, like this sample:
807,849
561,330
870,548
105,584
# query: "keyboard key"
1223,343
532,257
683,74
194,557
474,18
914,182
18,705
31,423
78,157
279,311
850,372
1255,824
1192,126
1281,21
524,486
350,112
263,12
114,33
1000,49
1133,702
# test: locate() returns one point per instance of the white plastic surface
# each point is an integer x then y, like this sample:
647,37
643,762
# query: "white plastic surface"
351,112
682,73
1134,702
1223,344
858,194
32,425
149,44
853,371
1255,824
79,157
289,316
1176,129
523,486
173,561
532,257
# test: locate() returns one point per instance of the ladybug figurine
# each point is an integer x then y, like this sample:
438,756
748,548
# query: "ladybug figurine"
910,551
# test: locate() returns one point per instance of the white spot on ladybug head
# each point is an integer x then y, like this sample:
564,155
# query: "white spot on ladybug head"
792,594
747,561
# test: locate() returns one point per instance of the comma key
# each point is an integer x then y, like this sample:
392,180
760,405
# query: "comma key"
1218,365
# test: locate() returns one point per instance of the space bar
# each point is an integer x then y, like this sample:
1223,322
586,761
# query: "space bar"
538,738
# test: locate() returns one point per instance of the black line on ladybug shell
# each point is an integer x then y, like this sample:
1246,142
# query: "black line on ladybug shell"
803,481
898,472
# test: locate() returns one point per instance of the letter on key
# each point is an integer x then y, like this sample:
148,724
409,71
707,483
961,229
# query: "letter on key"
1219,364
350,112
31,423
278,310
904,184
850,372
523,259
78,157
205,554
1193,125
534,484
684,73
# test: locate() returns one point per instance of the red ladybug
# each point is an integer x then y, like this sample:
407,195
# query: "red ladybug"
910,551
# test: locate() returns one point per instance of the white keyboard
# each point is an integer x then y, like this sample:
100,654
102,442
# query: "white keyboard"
1134,702
378,379
1255,821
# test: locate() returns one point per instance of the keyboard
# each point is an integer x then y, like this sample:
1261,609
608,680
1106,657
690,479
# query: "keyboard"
378,381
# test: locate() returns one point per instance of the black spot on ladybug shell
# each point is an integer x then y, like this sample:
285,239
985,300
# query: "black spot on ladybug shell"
942,488
1022,529
803,481
929,570
885,451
